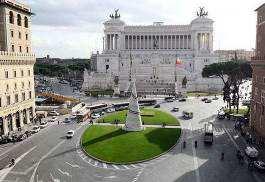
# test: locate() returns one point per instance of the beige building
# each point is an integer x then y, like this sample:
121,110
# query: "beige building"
226,55
17,96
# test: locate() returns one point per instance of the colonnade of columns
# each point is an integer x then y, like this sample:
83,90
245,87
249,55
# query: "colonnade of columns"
15,121
204,41
158,42
110,42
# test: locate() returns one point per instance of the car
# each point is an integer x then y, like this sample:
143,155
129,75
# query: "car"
204,99
251,152
67,120
259,165
54,113
54,118
157,106
35,129
70,134
175,109
187,114
182,100
110,110
208,101
95,116
21,137
169,100
221,114
246,102
215,98
43,125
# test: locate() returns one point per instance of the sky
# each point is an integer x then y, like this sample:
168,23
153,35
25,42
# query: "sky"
74,28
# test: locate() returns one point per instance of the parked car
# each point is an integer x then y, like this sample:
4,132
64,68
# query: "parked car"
43,125
246,102
221,114
67,120
182,100
54,113
54,118
110,110
259,165
95,116
215,98
70,134
169,100
208,101
22,137
187,114
157,106
251,152
204,99
35,129
175,109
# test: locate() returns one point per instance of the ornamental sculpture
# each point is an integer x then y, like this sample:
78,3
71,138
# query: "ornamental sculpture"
202,12
116,15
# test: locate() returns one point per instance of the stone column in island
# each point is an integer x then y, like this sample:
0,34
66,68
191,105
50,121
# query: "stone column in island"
133,120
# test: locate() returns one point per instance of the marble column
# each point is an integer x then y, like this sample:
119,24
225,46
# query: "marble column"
21,119
179,41
27,116
13,120
5,126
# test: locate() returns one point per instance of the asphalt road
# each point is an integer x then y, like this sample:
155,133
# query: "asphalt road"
49,156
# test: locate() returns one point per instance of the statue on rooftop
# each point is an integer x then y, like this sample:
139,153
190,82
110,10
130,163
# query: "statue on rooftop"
116,15
202,12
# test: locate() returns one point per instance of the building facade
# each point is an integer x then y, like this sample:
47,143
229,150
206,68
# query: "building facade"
227,55
258,79
17,96
163,55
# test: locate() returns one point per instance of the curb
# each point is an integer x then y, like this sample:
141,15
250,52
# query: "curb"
136,162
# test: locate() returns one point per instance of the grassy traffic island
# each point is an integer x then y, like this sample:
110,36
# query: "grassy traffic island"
114,145
149,116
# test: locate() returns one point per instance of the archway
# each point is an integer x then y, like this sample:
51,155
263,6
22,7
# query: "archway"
9,123
17,120
1,126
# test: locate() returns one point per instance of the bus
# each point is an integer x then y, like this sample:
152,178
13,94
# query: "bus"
97,108
121,106
83,115
208,133
147,102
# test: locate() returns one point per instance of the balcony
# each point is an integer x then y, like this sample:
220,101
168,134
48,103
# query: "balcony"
256,58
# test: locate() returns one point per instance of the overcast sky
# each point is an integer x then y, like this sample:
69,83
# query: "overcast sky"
73,28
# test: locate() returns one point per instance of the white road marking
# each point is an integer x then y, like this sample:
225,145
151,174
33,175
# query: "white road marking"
110,177
64,173
116,167
54,179
46,155
195,159
104,165
133,165
73,165
4,172
25,172
96,163
126,167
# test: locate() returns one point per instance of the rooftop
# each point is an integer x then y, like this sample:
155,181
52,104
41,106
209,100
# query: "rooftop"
262,6
16,5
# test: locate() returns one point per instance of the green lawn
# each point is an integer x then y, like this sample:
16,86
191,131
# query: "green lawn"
240,111
202,94
149,117
112,144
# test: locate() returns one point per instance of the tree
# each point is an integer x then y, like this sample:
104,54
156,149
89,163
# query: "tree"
184,82
232,74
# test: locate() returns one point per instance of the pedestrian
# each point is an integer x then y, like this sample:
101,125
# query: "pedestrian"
196,144
184,144
58,122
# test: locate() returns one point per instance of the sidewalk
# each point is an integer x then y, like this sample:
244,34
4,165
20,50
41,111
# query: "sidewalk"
148,126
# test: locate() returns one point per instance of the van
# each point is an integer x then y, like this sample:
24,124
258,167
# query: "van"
187,115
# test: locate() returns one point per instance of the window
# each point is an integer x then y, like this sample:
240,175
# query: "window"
30,95
27,37
12,33
19,20
26,22
27,49
23,96
11,17
263,109
8,100
20,49
7,88
22,73
29,84
22,85
0,102
13,48
19,35
6,74
263,96
15,86
263,80
15,74
28,72
16,98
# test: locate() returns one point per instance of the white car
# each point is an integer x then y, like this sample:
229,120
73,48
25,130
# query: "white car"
251,152
95,116
54,113
43,125
110,110
53,119
35,129
260,165
70,134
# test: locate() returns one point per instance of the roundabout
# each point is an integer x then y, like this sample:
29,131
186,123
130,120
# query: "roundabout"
111,144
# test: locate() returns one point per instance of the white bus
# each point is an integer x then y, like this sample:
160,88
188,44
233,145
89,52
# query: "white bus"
208,133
